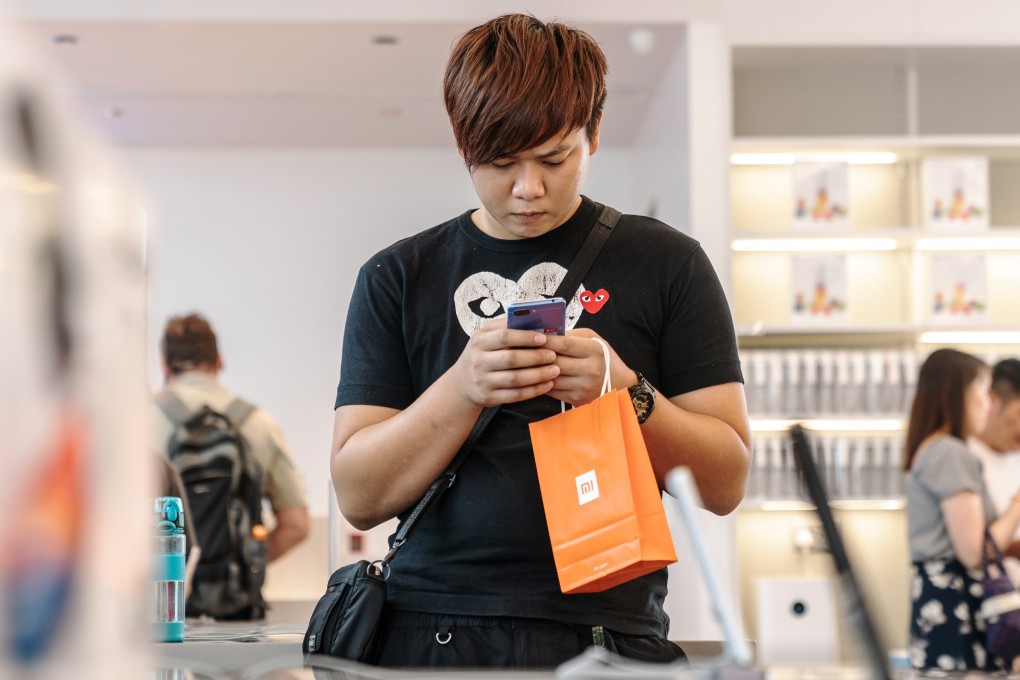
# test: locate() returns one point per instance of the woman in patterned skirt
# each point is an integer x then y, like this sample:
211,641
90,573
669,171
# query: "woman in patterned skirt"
948,510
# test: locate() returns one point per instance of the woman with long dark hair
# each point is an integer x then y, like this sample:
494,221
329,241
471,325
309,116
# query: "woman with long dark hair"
948,510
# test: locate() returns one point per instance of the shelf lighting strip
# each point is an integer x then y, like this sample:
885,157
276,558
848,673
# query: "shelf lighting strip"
773,245
969,243
839,503
830,424
852,157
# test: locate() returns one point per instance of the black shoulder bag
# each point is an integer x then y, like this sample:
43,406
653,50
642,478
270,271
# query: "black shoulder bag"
346,620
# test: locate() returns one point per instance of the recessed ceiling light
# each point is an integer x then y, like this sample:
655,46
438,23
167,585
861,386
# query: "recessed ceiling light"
64,39
385,40
642,40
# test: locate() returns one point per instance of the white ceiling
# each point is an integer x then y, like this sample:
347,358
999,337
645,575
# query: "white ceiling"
299,84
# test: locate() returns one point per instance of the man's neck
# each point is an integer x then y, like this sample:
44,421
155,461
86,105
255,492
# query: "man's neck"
987,443
207,374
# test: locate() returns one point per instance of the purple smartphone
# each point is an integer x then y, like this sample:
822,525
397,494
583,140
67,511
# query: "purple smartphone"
545,316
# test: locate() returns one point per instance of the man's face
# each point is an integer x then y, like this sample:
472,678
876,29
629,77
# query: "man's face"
535,191
1002,433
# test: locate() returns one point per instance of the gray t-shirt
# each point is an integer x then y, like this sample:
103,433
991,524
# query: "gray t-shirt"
941,469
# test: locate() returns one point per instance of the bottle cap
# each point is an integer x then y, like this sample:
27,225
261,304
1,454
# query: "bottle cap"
169,511
259,532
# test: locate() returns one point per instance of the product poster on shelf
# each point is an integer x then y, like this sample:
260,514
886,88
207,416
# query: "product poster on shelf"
820,196
956,193
819,289
958,288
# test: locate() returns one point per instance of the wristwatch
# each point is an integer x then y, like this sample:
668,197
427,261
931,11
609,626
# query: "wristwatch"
642,396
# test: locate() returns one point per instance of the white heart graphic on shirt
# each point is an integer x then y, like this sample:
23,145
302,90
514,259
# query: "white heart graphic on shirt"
484,296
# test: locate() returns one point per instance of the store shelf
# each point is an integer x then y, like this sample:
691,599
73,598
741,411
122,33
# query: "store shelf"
911,147
905,236
767,505
899,330
839,424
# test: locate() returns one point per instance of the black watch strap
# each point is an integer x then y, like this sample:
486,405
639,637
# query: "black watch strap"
642,396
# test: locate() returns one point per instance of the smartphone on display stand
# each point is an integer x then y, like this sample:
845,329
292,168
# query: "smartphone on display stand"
545,316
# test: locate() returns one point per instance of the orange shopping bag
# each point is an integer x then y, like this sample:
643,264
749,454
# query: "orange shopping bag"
602,504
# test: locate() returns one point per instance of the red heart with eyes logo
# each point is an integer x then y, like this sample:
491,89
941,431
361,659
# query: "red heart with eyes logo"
592,302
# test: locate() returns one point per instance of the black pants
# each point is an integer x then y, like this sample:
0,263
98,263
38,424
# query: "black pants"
418,640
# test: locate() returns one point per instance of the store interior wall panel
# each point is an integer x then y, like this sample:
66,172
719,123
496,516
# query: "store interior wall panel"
1003,197
765,280
877,287
302,573
978,99
818,101
879,196
1003,283
761,198
877,544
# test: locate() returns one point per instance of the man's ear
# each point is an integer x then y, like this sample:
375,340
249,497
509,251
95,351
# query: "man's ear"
593,139
995,400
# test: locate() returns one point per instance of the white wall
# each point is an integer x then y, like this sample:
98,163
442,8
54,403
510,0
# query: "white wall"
682,174
267,244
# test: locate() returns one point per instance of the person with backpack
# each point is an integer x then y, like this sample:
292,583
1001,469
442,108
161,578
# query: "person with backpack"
230,455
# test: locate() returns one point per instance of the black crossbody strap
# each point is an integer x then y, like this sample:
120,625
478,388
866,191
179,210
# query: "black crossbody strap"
575,273
440,486
597,238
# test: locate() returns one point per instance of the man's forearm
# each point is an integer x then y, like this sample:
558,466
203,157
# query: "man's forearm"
291,529
281,541
716,453
383,468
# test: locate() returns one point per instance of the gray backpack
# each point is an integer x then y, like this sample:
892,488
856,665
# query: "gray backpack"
223,482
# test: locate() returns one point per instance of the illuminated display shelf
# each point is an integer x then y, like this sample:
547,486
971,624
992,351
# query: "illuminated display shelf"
884,111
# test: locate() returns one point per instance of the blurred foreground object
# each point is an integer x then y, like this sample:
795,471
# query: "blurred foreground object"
72,377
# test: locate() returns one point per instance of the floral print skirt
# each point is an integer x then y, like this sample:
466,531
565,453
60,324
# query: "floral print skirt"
946,629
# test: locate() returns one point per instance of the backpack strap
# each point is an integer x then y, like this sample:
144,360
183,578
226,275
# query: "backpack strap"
178,412
173,407
238,412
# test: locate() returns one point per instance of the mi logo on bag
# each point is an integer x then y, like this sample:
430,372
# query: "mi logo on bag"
587,487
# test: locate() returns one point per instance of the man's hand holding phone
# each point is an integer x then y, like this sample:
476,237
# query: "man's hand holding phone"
582,367
580,359
504,365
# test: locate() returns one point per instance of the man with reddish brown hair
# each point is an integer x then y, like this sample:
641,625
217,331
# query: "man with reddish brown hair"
426,347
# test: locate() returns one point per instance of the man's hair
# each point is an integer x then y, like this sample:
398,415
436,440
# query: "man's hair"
1006,380
189,344
515,82
940,399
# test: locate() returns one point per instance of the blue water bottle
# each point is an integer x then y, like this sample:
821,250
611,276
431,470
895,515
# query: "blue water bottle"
168,570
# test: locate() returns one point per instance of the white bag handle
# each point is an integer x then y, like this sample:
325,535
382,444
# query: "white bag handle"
607,384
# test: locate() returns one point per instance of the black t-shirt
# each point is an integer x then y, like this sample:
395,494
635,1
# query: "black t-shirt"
485,549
